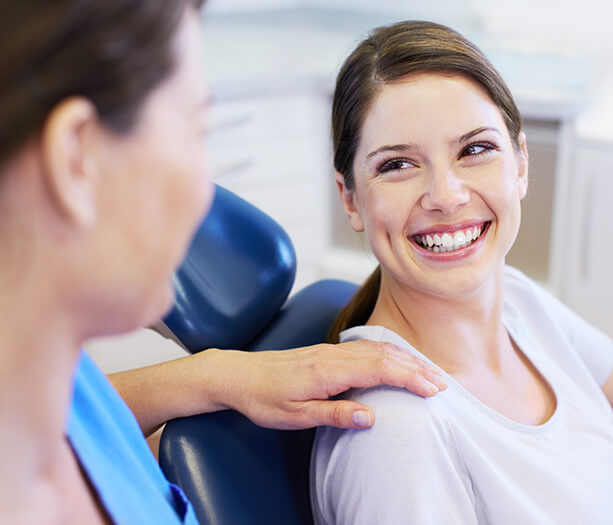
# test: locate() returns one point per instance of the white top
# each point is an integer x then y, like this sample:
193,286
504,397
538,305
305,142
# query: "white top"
451,459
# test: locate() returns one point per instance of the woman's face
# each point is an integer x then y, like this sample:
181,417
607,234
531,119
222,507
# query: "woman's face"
438,184
154,188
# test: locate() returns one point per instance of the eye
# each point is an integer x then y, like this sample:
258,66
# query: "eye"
478,148
395,164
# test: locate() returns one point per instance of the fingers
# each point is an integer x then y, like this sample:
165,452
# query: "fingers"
419,377
368,364
341,414
376,349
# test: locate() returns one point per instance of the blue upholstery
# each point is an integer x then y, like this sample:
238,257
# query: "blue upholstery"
233,471
237,273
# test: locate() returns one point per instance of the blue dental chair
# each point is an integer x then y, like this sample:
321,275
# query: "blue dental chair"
231,292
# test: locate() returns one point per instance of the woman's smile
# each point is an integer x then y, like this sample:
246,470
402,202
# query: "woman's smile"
446,244
449,238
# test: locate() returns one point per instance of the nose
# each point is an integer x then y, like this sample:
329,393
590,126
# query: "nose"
446,191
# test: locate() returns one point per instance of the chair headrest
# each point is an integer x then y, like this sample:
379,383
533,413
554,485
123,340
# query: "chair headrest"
238,272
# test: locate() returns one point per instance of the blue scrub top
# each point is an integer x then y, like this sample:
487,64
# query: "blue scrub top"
112,451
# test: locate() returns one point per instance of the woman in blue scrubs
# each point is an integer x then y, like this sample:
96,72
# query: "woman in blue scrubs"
102,184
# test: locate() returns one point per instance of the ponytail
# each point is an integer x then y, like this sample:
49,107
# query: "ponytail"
359,308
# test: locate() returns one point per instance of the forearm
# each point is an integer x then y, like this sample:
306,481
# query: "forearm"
177,388
279,389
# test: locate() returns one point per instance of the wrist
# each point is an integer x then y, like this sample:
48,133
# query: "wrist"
215,379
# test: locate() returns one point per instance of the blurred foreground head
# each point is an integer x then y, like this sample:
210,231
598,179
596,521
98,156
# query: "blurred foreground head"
112,52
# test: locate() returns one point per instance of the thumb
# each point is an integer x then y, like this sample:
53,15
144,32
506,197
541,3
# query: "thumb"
341,414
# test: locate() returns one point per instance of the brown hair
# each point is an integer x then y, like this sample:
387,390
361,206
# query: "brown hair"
389,54
113,52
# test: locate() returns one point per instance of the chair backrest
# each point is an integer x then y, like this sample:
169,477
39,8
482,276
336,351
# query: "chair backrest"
233,471
237,273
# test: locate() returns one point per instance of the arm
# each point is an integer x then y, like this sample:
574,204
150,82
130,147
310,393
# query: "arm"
278,389
405,469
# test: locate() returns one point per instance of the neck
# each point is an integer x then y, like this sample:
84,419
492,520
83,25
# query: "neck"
455,333
36,367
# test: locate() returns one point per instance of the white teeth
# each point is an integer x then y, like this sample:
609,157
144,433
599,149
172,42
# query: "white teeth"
447,242
459,240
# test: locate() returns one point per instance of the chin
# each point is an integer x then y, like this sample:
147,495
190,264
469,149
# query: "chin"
155,305
131,309
464,283
163,302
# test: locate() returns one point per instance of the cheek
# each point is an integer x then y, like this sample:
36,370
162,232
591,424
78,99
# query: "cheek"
506,204
199,187
384,221
188,190
390,207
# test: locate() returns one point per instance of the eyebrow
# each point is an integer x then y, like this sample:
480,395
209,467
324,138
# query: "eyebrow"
409,147
393,147
474,132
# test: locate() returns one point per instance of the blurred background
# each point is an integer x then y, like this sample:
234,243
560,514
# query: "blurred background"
271,67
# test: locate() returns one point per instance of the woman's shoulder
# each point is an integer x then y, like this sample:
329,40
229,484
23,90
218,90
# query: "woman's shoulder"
375,475
526,298
395,407
528,302
403,415
401,419
522,290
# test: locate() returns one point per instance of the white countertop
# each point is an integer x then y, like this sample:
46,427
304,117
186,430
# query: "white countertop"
280,50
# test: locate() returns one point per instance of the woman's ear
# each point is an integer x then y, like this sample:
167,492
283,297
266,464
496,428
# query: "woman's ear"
348,200
522,160
69,167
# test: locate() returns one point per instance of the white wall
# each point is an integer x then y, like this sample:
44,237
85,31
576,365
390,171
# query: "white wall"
230,6
555,25
442,11
560,25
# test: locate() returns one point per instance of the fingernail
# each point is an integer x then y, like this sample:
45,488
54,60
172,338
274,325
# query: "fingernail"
361,418
440,383
432,388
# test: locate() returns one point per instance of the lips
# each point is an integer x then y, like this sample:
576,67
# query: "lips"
450,241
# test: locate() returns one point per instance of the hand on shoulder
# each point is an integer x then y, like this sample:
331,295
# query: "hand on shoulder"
290,389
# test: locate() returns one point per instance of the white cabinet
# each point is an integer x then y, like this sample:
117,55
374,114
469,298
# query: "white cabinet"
587,285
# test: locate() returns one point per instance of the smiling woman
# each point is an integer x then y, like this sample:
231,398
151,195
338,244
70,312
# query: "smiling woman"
432,165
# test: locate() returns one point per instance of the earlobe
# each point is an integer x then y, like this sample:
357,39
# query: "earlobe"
523,168
69,168
347,197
